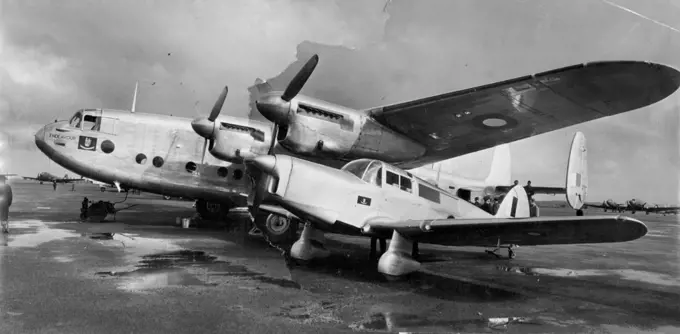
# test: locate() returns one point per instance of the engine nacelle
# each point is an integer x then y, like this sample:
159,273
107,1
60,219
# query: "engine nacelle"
234,146
339,136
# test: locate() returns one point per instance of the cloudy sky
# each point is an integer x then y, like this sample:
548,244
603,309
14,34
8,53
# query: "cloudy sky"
59,56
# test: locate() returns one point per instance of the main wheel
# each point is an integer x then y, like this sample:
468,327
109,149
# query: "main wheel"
278,228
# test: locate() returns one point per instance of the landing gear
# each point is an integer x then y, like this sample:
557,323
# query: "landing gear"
383,247
310,245
494,252
278,228
397,261
579,212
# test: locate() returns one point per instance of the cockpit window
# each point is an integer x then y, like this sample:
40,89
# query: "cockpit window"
356,167
91,123
399,181
75,120
373,174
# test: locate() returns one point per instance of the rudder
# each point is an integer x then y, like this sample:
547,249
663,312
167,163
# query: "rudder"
515,204
577,172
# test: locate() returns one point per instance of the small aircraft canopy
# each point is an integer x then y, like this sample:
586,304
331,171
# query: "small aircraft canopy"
76,119
366,169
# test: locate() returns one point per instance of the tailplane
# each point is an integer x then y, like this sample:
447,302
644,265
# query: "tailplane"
500,172
577,172
515,204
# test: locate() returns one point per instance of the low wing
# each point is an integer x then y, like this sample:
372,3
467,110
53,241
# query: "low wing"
462,122
537,190
519,231
30,178
68,180
661,209
595,205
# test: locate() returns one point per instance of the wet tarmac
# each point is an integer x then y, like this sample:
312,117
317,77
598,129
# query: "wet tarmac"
142,274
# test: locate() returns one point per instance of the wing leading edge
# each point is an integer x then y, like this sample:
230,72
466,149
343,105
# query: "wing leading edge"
462,122
519,231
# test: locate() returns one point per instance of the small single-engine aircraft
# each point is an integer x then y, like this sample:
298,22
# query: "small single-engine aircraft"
47,177
373,198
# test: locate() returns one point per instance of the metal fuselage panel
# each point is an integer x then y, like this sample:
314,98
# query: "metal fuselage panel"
156,137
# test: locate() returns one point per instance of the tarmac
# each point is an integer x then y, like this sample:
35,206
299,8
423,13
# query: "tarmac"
144,274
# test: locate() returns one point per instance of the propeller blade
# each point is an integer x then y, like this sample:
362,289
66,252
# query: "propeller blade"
275,133
205,148
218,105
300,79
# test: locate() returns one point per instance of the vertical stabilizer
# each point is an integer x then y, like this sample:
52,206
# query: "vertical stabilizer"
500,172
515,204
134,98
577,172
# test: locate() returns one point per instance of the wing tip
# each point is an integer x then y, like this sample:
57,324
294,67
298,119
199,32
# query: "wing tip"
636,228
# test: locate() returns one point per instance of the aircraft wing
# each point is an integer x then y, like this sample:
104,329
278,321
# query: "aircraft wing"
29,178
519,231
537,190
660,209
466,121
595,205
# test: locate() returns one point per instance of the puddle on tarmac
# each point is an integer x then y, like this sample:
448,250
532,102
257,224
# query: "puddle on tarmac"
172,269
393,321
627,274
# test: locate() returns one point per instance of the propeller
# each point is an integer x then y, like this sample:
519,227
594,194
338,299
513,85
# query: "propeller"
205,127
276,107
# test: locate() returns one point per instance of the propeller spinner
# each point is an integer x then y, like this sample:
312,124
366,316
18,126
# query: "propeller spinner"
205,127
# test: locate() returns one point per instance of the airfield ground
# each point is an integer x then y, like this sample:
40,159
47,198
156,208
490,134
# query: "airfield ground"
61,276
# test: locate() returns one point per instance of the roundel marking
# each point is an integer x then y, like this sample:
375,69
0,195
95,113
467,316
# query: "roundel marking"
494,121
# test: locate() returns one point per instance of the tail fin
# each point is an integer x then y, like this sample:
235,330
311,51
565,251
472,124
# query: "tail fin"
577,172
262,86
515,204
500,172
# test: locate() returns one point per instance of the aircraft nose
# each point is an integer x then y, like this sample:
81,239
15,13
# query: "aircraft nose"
40,137
265,163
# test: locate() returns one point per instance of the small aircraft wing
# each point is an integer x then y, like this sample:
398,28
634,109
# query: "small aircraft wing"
518,231
30,178
466,121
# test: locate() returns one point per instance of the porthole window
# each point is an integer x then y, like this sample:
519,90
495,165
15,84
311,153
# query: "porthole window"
157,162
107,146
238,174
191,167
140,158
222,172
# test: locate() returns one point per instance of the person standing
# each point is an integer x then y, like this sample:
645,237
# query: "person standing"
54,185
5,203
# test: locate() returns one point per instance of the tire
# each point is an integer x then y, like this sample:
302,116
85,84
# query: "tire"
279,229
102,189
167,198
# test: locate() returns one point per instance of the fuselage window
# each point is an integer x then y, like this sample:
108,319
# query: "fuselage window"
429,193
392,179
140,158
191,167
157,162
406,184
238,174
222,172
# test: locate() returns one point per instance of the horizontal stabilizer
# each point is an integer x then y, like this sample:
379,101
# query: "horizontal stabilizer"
518,231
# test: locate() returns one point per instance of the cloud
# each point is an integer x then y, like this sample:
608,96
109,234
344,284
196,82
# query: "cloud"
370,54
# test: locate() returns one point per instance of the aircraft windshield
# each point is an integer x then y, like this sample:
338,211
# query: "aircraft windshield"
76,119
373,173
356,167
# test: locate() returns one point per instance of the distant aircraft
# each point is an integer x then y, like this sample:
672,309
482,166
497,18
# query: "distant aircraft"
47,177
608,205
159,154
372,198
633,206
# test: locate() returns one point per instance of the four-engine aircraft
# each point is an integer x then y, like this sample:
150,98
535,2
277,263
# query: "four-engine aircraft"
633,205
372,198
159,154
47,177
